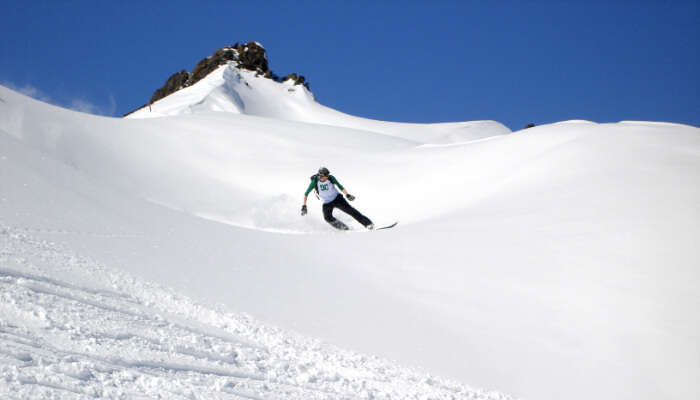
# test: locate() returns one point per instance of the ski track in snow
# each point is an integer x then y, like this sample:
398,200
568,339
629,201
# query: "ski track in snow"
73,329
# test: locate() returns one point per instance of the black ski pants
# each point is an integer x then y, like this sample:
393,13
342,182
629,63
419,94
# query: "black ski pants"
342,204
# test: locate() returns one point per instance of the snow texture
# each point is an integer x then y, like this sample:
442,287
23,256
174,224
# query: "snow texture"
163,255
74,329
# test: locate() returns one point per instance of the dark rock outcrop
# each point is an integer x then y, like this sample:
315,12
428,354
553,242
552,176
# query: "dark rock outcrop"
251,56
297,79
209,64
176,82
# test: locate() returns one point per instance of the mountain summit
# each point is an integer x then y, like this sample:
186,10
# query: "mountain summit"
250,56
238,80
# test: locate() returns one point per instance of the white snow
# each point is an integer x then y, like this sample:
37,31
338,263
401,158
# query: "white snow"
241,91
152,256
74,329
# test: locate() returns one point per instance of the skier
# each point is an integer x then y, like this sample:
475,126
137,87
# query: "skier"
325,184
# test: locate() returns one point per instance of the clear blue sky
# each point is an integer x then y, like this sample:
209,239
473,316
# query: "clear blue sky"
432,61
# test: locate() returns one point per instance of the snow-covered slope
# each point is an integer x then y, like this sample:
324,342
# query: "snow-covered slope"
71,328
235,90
557,262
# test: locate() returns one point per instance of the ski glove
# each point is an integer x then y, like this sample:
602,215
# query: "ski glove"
350,197
303,210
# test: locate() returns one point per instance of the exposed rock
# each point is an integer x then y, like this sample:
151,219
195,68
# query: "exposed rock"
176,82
297,79
209,64
530,125
251,56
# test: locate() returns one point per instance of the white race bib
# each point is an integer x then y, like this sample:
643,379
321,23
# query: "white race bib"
326,190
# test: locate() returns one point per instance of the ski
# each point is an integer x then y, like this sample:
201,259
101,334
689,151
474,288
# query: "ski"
388,226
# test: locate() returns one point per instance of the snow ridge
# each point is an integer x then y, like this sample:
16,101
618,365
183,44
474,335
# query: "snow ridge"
234,90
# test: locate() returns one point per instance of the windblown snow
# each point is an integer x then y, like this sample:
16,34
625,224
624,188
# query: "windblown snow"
163,255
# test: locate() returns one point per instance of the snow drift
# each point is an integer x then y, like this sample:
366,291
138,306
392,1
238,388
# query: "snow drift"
557,262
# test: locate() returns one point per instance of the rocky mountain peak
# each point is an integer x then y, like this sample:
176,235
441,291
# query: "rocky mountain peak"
251,56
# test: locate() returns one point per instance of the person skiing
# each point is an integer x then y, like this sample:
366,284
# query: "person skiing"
325,184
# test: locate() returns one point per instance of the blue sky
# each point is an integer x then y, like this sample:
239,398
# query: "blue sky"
432,61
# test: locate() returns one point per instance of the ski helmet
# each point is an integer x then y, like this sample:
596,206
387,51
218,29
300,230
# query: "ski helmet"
324,171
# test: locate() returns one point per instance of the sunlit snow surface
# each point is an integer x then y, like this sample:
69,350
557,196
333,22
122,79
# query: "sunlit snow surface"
556,262
71,328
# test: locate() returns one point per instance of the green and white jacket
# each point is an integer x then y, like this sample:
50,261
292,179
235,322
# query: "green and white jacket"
326,190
